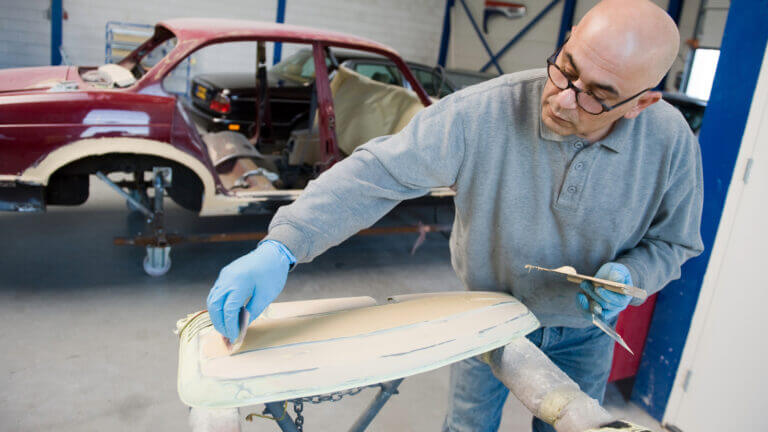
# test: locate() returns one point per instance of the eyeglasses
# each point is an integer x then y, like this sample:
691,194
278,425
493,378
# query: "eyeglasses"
584,98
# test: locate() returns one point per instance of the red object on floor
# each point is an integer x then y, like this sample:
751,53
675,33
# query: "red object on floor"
633,325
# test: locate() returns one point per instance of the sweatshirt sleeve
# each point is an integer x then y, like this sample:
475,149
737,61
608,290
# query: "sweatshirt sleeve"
674,235
359,190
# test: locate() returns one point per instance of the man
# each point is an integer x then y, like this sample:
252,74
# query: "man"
579,164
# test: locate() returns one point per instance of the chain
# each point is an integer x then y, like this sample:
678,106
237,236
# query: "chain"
298,407
332,397
298,404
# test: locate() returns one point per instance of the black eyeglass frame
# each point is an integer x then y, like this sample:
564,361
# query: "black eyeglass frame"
551,62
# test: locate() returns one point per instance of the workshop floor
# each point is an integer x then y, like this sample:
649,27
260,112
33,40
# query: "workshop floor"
87,336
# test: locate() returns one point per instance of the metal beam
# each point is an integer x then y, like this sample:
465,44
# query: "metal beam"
445,39
481,37
278,52
57,16
566,22
518,36
174,239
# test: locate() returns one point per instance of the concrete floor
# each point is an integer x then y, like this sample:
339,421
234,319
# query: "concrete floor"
88,342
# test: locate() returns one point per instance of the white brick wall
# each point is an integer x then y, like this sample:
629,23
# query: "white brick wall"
411,27
25,33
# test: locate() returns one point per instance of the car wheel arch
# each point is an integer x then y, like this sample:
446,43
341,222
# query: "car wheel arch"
108,153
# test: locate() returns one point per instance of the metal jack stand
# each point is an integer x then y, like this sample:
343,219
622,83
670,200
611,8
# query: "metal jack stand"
227,419
388,389
158,260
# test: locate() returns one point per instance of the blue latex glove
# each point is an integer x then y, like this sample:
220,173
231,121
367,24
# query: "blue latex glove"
258,276
611,302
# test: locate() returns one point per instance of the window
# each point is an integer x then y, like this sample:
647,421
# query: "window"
430,81
231,59
378,72
298,67
701,73
158,53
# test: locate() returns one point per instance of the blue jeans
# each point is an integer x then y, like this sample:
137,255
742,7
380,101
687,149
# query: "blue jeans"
477,397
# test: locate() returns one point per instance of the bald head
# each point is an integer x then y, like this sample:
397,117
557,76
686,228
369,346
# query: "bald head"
635,38
617,52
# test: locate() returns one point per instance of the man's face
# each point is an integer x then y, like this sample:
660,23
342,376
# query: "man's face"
607,80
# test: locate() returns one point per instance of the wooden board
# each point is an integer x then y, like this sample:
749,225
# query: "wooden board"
299,349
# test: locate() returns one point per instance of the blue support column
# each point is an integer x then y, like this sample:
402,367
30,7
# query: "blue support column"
57,16
278,52
481,37
567,20
518,36
674,8
741,55
445,39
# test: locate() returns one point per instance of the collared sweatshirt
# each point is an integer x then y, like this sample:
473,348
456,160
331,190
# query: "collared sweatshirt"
524,195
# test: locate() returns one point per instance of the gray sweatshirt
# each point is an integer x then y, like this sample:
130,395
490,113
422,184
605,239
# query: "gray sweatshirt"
524,195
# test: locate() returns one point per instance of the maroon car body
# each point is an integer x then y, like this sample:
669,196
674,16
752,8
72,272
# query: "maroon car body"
56,128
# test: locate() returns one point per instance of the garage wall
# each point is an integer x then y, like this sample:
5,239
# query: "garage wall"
25,33
84,31
467,52
714,15
412,28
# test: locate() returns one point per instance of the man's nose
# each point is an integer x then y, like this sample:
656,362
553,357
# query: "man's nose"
567,99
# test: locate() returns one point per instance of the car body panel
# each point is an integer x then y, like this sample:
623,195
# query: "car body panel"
34,77
35,125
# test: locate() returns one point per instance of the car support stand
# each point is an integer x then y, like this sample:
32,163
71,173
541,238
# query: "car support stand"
157,262
158,259
227,420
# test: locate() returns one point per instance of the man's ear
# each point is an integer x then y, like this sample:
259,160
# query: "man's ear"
643,102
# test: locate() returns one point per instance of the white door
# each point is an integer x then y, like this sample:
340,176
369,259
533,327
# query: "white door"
723,375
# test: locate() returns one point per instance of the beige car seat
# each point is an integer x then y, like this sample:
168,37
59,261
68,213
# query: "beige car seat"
367,109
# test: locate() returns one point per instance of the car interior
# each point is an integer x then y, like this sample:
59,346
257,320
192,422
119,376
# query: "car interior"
280,147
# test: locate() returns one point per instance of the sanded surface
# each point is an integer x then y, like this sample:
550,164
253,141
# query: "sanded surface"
295,356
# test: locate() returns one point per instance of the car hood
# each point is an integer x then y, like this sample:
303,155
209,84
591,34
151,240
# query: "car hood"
34,78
